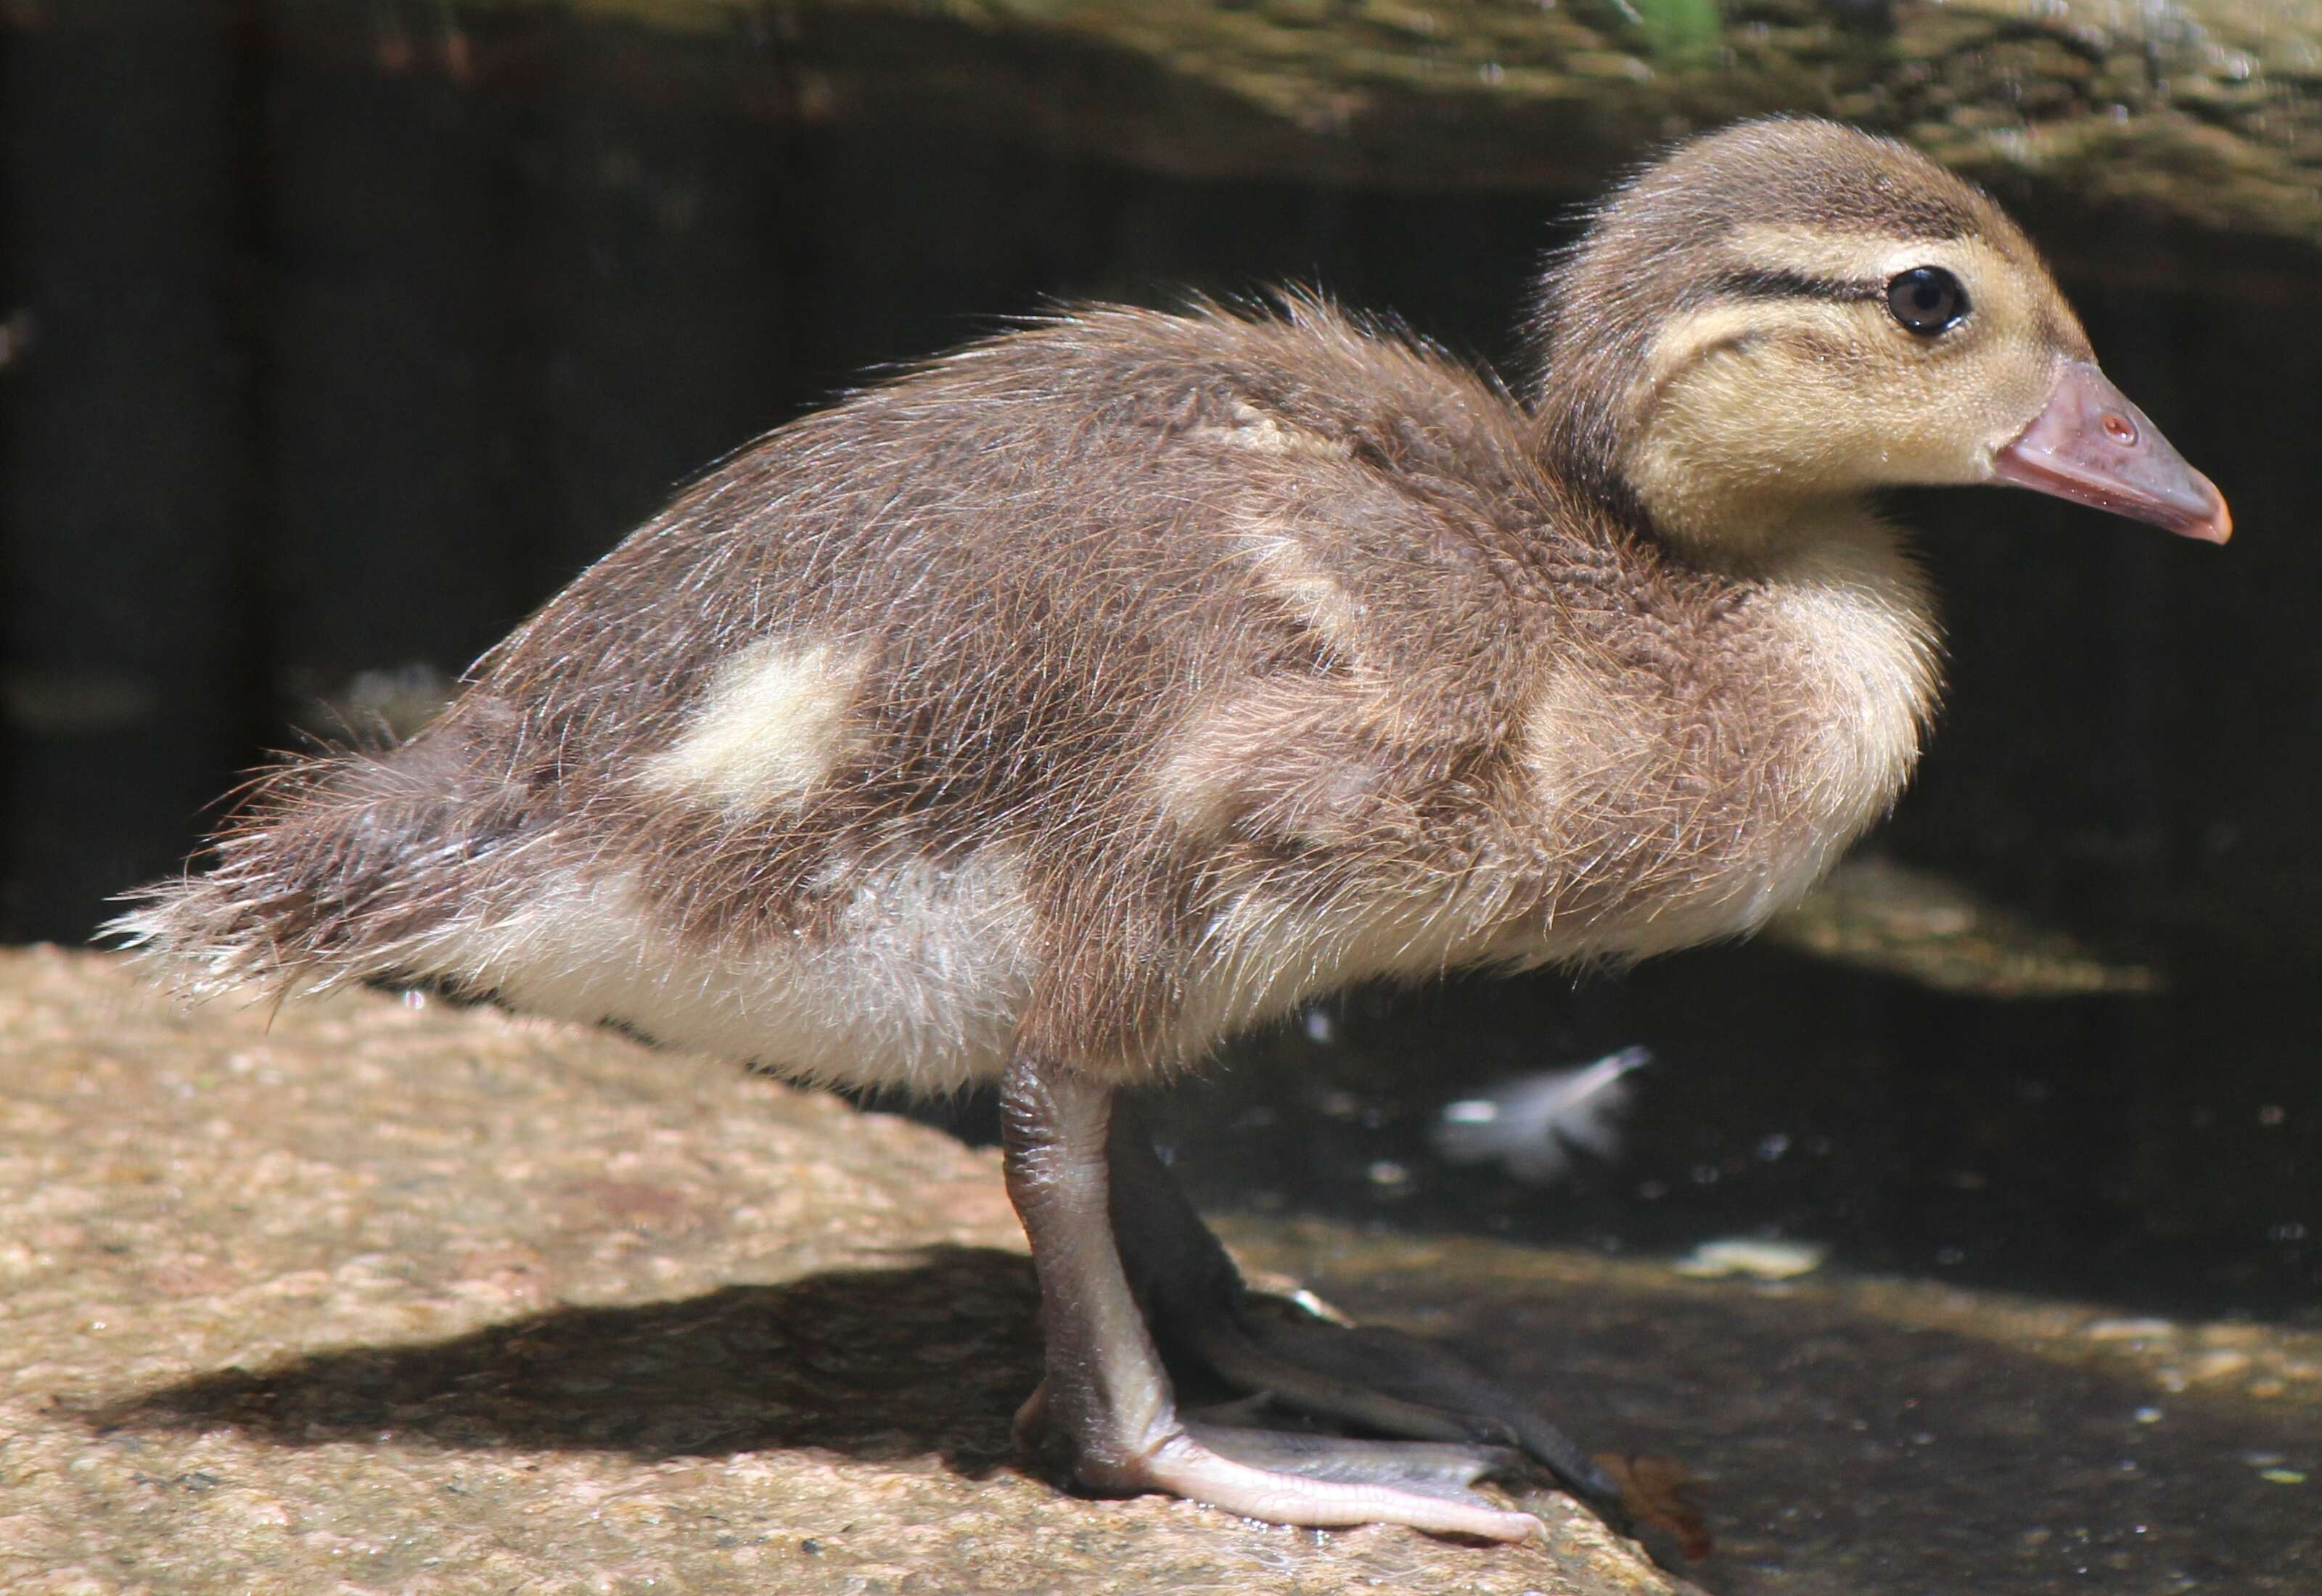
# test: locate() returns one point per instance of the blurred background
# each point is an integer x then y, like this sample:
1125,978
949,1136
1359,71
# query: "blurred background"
334,336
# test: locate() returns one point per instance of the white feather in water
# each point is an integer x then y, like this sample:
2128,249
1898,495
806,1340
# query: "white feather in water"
1532,1123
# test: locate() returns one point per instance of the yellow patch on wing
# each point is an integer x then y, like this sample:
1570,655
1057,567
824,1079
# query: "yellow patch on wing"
1574,741
1254,430
1208,772
1287,574
776,719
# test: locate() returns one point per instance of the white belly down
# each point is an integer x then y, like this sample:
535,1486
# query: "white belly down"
918,984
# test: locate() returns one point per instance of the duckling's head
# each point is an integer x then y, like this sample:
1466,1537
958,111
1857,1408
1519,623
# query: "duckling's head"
1782,316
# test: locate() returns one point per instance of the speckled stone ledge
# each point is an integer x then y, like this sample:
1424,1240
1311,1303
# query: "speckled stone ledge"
367,1296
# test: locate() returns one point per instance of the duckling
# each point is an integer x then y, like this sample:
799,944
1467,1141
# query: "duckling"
1053,712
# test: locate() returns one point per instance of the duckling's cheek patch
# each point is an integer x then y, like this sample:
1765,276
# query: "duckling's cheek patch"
773,722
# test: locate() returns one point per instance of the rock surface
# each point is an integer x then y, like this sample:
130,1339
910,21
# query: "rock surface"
2202,112
365,1296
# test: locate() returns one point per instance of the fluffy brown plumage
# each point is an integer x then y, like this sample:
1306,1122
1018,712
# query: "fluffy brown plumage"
1065,705
1178,611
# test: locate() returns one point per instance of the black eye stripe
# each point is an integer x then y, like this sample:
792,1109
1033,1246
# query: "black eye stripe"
1925,300
1756,283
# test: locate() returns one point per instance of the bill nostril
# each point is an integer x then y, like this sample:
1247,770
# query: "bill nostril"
2120,429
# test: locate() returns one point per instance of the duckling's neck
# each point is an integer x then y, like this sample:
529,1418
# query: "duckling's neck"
1832,583
1847,628
1760,531
1696,495
1835,646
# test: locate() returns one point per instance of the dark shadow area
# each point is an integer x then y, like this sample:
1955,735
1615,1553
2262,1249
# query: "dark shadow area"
1845,1452
930,1358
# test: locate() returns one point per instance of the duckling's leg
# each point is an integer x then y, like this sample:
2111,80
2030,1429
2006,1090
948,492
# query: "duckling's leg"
1379,1379
1107,1400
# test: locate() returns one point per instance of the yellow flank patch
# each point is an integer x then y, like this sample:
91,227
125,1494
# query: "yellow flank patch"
1261,433
775,722
1574,739
1289,576
1200,782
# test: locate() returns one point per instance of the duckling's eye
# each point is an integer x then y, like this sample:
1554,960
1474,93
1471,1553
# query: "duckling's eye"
1927,300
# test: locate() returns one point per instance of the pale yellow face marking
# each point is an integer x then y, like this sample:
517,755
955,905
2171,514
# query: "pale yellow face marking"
1750,407
773,722
1685,340
1840,255
2009,296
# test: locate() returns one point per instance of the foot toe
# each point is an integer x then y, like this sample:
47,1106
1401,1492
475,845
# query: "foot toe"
1346,1488
1383,1381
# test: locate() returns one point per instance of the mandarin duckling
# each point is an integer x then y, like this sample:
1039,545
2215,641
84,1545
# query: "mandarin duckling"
1051,713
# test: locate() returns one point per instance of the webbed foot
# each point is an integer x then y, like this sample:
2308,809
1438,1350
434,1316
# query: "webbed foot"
1107,1405
1205,1320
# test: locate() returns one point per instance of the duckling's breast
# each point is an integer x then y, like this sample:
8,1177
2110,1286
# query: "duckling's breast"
1681,805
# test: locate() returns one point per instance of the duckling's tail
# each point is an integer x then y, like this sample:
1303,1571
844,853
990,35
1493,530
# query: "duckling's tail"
335,868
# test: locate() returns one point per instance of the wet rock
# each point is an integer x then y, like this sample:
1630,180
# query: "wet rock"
1876,915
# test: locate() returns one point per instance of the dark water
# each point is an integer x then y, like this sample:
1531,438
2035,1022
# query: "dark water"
2066,1336
2161,1153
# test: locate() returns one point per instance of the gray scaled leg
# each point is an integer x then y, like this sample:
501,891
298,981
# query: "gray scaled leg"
1107,1403
1381,1379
